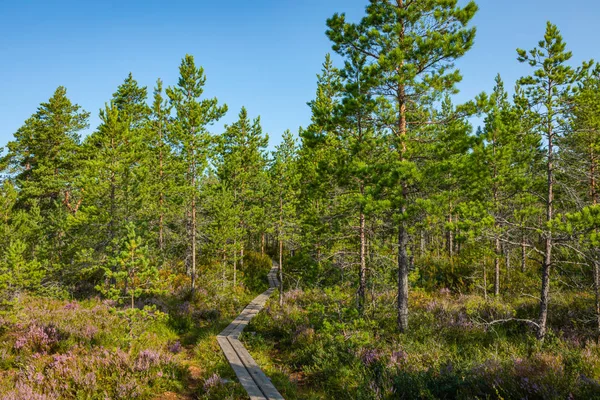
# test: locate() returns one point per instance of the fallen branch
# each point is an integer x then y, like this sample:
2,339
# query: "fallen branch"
501,321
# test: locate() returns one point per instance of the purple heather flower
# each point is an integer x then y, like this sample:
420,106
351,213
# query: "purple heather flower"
176,347
73,305
370,356
147,359
90,331
213,381
398,356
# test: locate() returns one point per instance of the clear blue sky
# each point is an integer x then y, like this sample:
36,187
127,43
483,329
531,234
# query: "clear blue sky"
263,54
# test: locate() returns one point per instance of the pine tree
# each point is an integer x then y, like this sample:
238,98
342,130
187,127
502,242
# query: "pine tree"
547,92
317,160
507,151
580,158
240,164
44,155
159,162
410,48
358,153
130,100
285,178
134,275
43,162
108,179
445,174
191,137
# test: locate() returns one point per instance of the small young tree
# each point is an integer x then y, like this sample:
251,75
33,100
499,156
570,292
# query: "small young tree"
133,275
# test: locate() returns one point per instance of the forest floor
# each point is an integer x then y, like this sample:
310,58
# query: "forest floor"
317,347
54,349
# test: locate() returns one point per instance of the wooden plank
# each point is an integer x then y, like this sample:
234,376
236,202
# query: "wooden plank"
240,370
263,382
252,378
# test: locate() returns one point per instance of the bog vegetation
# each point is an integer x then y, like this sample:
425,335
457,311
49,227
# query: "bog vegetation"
421,257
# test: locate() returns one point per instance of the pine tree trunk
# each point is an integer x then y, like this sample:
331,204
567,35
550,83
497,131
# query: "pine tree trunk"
506,251
497,253
450,238
161,194
597,298
485,294
280,250
262,244
594,196
402,318
193,235
545,293
224,266
523,254
280,272
547,263
111,224
403,265
234,263
363,265
242,256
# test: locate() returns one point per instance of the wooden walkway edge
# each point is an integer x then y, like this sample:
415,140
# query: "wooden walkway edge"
252,378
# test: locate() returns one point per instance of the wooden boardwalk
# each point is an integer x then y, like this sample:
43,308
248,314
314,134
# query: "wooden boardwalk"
256,383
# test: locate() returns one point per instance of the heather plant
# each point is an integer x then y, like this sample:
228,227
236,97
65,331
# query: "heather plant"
99,373
72,350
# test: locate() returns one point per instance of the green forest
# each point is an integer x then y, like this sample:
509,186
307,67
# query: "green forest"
426,248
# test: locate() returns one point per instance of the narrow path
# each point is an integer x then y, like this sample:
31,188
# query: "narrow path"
256,383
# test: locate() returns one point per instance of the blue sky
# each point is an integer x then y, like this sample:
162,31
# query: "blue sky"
263,54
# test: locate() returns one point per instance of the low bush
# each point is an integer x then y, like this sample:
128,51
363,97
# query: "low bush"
451,351
254,270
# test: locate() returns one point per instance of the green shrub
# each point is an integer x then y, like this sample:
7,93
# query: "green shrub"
255,268
433,273
307,272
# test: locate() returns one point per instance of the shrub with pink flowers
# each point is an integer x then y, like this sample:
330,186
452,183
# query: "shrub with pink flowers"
57,350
